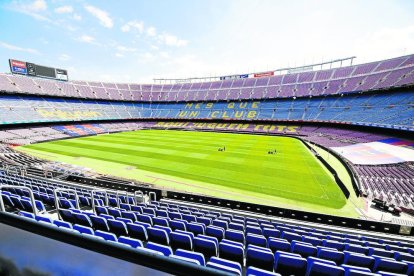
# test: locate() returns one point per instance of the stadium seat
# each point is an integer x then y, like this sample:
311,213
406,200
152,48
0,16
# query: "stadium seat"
180,240
83,229
191,255
276,244
319,268
254,239
304,249
99,223
287,264
225,265
106,235
231,252
137,231
390,265
333,255
158,235
357,259
119,228
290,236
165,250
134,243
196,228
206,246
62,224
216,232
254,271
234,235
260,257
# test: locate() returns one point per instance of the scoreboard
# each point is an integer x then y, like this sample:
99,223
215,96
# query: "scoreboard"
31,69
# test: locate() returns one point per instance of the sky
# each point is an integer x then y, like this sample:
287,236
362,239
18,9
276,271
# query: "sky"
137,41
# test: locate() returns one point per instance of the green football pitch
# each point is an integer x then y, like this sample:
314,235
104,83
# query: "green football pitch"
191,161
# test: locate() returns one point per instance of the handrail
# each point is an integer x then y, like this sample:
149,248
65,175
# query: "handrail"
93,192
154,195
2,207
57,190
140,194
117,196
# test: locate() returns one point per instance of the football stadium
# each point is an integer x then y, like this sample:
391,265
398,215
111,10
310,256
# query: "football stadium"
304,169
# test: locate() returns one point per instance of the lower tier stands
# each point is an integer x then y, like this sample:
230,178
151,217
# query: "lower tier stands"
388,109
241,244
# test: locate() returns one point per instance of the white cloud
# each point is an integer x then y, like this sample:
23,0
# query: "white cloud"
86,39
77,17
151,31
138,25
64,57
101,15
121,48
18,48
32,8
172,40
64,9
119,55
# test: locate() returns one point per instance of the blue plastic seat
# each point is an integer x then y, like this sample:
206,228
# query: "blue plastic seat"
44,219
145,218
225,265
236,226
99,223
27,214
215,231
137,209
124,220
271,232
357,259
287,264
254,230
117,227
83,219
204,220
234,235
167,229
158,236
260,257
63,224
333,255
319,268
180,240
161,221
253,239
254,271
106,235
84,201
134,243
176,224
129,215
231,252
101,210
357,248
390,265
165,250
175,215
312,240
290,236
137,231
196,228
83,229
221,223
352,270
304,249
334,244
161,213
401,256
207,247
125,206
276,244
67,215
114,212
191,255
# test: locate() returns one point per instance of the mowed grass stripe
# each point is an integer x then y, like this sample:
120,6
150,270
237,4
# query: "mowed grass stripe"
293,173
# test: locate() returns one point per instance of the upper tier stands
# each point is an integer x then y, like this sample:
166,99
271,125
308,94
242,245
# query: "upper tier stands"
387,110
377,75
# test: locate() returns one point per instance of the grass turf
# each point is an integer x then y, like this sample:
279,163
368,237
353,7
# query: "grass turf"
293,173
